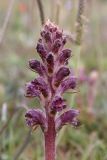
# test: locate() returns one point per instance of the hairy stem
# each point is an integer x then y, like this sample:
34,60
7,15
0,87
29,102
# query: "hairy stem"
50,136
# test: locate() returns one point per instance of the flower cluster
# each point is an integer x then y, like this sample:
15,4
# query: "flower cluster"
55,78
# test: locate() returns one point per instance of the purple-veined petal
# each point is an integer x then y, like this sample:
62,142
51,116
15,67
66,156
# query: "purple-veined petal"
35,117
68,117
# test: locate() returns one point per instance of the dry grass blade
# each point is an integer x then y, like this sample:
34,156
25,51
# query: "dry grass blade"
6,20
40,6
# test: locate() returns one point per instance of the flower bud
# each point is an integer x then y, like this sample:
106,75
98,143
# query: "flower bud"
56,46
61,74
41,50
38,67
64,56
50,62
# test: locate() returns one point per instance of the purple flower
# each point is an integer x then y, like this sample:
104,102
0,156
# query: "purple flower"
61,74
69,83
31,91
41,85
68,117
35,117
37,87
58,104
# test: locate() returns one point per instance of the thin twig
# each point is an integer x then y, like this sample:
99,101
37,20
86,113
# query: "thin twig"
6,20
23,146
40,6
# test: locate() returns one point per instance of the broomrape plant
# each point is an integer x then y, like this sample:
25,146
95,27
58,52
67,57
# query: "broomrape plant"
55,78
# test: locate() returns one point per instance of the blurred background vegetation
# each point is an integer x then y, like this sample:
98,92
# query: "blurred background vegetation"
20,25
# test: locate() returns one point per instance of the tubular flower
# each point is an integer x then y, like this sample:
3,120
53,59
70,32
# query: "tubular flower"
55,78
68,117
35,117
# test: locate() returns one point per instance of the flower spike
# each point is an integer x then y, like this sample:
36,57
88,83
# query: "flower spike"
55,78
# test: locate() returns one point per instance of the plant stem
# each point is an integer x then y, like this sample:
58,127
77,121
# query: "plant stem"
50,136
